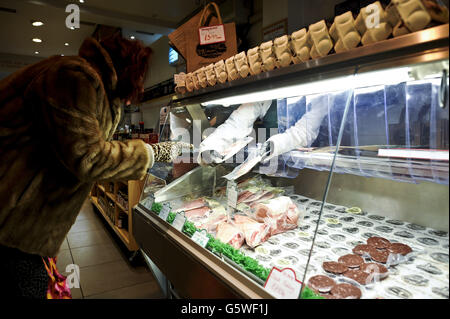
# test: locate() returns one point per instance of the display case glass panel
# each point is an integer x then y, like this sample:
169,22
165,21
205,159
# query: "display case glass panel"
378,130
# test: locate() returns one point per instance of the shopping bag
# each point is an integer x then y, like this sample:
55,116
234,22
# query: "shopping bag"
197,55
177,39
57,285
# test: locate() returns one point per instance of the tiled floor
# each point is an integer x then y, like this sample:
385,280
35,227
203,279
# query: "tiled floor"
105,271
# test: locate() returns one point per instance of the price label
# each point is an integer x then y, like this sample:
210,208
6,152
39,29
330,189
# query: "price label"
232,194
200,238
148,203
165,210
212,34
283,284
179,221
179,78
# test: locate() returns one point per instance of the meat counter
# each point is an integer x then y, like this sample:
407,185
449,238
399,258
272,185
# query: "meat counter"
360,212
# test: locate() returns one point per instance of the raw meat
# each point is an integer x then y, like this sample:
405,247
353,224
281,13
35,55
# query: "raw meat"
280,213
217,216
255,196
230,234
201,202
243,196
198,212
255,233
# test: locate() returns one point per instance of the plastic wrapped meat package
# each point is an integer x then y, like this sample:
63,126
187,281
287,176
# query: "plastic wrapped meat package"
262,212
255,233
217,216
281,214
204,213
230,234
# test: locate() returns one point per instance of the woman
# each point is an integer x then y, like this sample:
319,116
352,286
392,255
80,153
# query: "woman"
57,118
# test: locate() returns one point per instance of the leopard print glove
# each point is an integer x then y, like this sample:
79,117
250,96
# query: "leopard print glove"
167,152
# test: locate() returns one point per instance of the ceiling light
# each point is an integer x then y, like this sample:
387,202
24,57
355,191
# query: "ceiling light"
37,40
66,44
36,52
81,1
62,54
37,23
132,37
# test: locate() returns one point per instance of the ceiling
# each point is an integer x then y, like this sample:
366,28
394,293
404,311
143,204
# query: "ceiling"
146,20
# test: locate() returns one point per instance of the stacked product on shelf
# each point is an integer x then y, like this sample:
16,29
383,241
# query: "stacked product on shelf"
374,23
114,200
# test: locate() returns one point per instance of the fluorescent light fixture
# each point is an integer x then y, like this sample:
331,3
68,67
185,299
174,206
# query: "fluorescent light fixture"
37,40
369,79
37,23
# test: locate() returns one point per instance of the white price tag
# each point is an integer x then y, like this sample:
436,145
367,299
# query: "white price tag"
148,203
232,194
179,221
179,78
200,238
283,284
165,210
212,34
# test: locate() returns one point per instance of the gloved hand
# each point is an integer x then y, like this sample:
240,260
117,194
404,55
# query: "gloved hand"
167,152
209,157
270,150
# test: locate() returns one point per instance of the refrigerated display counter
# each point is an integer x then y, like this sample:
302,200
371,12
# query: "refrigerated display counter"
365,205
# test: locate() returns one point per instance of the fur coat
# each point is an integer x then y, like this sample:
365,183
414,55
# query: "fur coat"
57,119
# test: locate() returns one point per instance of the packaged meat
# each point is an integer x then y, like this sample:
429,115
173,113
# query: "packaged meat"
195,204
243,196
280,213
255,196
217,216
230,234
255,233
255,156
197,212
234,148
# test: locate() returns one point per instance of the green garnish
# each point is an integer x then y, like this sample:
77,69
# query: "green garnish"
171,217
156,207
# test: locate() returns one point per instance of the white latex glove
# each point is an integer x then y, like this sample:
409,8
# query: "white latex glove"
302,134
238,126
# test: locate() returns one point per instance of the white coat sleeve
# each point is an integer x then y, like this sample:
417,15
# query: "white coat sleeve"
238,126
303,133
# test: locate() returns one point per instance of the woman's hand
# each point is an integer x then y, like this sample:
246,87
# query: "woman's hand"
167,152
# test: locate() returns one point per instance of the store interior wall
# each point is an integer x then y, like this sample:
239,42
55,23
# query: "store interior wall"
303,13
274,11
10,63
151,110
159,69
421,203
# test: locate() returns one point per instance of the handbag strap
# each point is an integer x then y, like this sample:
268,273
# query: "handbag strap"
205,9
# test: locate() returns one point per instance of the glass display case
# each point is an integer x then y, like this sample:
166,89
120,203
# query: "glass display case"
359,212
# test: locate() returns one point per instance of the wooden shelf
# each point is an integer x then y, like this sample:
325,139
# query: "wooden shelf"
111,196
124,183
134,190
121,207
122,233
